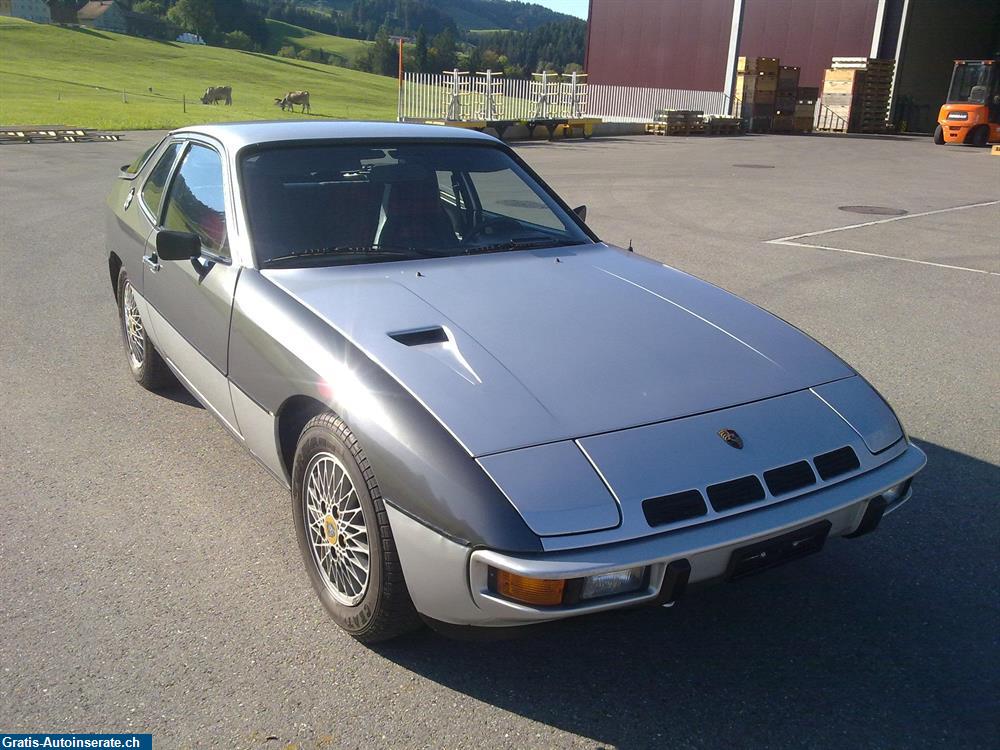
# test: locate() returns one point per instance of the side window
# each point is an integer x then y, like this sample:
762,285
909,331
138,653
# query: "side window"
446,188
503,193
196,201
152,191
140,160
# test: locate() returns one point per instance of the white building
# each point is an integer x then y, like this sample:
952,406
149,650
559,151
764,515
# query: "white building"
29,10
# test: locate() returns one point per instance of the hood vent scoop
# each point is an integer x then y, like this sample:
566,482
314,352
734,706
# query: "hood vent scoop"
421,337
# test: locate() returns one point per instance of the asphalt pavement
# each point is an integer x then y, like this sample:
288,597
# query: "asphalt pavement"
150,579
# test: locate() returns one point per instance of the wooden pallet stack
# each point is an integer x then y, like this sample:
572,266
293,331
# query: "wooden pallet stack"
693,122
756,91
677,122
722,125
786,99
856,91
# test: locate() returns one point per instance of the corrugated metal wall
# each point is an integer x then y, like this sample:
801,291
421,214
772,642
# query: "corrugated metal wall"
684,44
679,44
807,33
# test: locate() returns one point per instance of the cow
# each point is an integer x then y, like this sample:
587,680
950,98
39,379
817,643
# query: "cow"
292,98
216,94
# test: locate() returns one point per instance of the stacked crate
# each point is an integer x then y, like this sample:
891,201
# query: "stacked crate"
786,99
756,91
805,108
856,91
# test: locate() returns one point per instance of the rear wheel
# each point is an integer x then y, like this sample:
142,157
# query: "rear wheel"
939,135
344,534
144,362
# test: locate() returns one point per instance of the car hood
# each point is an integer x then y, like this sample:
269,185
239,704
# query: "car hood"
522,348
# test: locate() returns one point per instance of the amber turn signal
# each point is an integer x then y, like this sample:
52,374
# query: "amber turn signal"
546,592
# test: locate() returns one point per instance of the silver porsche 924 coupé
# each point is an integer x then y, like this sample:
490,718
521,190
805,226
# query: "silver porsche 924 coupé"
485,415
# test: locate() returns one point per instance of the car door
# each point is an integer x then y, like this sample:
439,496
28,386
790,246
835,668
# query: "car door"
134,209
191,301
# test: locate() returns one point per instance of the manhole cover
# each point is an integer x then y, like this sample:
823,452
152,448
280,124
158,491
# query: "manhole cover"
876,210
754,166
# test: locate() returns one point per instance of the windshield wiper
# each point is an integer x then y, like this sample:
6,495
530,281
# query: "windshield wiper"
374,249
521,244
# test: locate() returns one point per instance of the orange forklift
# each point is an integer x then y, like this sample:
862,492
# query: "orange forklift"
972,113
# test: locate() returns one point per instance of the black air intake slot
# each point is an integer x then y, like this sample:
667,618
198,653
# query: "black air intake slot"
736,492
835,463
672,508
789,478
424,336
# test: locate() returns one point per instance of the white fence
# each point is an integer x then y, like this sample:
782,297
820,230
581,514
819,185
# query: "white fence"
426,96
635,104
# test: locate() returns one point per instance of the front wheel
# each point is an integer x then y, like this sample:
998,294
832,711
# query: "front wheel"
144,362
939,135
344,535
980,136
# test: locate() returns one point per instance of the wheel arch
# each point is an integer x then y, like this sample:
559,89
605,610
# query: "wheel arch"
114,267
292,417
293,366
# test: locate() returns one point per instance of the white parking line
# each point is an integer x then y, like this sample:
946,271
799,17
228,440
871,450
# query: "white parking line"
790,239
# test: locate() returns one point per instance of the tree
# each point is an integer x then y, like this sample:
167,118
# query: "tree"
380,57
238,40
420,57
443,55
197,16
475,63
149,7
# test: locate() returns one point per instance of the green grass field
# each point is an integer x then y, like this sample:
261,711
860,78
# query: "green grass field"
51,75
345,50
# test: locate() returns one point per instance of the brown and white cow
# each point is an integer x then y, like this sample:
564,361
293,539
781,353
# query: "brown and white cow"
216,94
292,98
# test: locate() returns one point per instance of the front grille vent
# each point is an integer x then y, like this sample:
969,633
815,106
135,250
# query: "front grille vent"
835,463
672,508
736,492
789,478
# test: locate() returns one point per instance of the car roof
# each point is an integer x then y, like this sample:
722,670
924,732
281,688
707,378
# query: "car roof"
236,135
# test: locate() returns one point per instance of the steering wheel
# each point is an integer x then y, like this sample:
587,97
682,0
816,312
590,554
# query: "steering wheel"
492,229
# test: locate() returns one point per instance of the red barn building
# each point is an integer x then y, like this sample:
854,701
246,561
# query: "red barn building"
693,44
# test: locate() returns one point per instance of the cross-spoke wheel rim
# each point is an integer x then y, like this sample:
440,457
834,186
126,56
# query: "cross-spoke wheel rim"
135,339
336,528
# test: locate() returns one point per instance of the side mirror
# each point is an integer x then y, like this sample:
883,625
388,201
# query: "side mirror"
171,245
581,211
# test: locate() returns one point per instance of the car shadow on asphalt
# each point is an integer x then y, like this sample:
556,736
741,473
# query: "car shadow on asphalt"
884,640
179,394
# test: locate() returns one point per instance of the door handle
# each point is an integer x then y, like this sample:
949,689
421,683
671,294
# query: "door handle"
152,262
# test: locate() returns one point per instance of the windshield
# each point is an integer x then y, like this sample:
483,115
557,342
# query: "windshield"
348,204
970,83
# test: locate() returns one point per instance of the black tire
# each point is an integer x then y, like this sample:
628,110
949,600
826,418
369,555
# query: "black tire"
149,370
980,136
939,135
385,609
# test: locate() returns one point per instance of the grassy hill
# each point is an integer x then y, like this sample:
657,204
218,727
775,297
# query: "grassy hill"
345,50
473,14
51,75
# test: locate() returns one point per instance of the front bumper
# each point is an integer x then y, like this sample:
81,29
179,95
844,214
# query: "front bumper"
448,581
